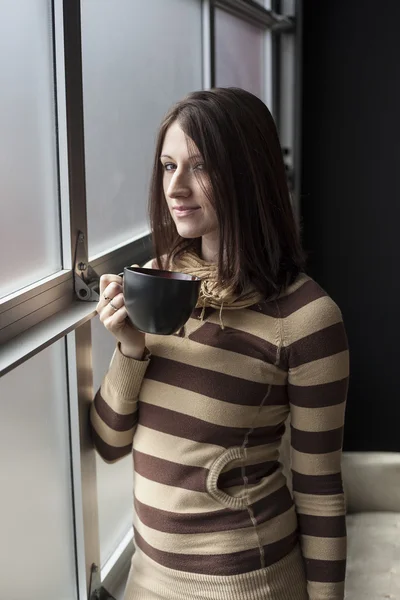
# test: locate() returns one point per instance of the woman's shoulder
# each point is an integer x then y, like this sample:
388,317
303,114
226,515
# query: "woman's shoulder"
304,303
307,309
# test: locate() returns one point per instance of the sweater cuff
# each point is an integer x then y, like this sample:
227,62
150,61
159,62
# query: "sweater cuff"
125,375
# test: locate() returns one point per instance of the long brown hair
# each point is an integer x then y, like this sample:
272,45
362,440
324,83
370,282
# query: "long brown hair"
237,138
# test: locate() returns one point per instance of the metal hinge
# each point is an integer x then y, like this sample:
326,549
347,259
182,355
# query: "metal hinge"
86,280
96,590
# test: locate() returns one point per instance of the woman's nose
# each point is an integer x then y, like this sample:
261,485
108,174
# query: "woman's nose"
179,185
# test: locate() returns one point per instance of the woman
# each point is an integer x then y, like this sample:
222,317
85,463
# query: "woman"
205,409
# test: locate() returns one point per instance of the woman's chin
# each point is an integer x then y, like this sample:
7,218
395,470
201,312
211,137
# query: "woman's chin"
188,233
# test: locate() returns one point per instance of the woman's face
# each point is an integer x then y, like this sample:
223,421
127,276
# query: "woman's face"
184,182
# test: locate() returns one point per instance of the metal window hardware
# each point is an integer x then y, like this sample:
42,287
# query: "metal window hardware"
96,590
86,280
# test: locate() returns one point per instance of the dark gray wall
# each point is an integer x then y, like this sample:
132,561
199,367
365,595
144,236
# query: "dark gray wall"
351,196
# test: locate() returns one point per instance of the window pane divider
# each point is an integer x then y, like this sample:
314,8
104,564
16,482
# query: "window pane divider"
45,299
298,78
208,42
16,351
33,291
137,251
256,14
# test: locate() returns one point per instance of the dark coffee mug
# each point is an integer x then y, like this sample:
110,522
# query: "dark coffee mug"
159,302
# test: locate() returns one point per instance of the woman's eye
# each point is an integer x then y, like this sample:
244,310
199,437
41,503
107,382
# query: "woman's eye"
168,167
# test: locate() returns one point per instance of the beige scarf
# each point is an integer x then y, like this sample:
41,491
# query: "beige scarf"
211,293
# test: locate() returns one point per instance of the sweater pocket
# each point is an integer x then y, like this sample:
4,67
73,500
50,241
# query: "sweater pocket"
232,502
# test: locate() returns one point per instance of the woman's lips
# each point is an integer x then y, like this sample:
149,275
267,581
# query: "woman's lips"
185,211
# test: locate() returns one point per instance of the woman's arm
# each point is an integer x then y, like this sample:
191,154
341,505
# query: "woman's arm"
113,413
318,380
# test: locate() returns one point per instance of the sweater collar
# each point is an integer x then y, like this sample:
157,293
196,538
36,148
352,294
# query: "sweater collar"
212,294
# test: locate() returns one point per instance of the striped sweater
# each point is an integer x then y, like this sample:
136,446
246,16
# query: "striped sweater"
204,415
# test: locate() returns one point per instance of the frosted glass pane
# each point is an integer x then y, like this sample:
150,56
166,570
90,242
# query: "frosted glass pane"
138,59
114,481
239,49
37,557
30,234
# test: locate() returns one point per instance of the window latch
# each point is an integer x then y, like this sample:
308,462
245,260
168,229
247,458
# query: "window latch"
86,280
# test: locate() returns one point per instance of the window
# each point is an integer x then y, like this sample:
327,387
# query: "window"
30,233
36,519
239,53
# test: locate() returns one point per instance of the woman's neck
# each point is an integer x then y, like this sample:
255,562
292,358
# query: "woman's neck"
210,248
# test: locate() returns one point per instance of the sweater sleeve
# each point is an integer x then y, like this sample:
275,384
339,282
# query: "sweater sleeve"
317,385
113,413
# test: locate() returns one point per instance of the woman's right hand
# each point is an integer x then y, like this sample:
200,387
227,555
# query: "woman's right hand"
112,311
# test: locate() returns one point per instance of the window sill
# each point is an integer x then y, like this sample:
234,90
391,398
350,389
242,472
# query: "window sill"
42,335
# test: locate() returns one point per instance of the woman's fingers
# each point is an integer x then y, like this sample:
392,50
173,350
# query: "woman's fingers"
111,306
105,281
113,315
115,303
108,293
116,321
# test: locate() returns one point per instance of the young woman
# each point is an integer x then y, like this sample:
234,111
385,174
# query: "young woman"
204,410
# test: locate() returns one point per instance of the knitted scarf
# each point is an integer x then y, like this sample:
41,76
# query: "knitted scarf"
211,293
